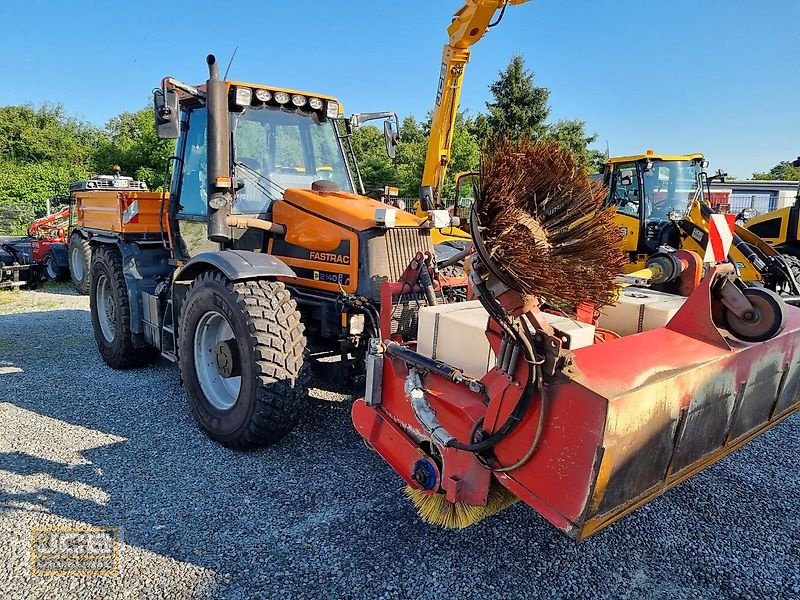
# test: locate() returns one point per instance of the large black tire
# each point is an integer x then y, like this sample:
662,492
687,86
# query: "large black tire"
53,272
769,320
111,313
267,349
80,260
794,264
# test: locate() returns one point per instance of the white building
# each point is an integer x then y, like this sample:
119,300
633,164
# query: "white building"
764,196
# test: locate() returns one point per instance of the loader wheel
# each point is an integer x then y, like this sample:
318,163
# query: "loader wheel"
242,357
768,320
80,259
111,313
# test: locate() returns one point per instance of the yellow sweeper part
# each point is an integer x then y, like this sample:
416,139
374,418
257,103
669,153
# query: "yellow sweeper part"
436,509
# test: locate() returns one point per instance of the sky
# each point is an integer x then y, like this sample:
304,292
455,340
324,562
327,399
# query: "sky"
721,77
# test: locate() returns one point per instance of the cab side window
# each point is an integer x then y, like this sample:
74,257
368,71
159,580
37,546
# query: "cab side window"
625,191
193,181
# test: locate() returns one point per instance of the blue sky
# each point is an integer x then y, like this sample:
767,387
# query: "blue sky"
718,77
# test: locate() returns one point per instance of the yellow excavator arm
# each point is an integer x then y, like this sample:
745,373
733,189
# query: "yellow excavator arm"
469,25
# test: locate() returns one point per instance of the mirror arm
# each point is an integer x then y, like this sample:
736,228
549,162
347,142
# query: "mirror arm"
169,83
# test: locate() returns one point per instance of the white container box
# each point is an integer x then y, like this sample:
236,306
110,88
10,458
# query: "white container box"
640,309
456,334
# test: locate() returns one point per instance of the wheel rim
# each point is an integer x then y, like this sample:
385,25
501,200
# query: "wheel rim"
221,392
52,273
761,322
76,263
106,308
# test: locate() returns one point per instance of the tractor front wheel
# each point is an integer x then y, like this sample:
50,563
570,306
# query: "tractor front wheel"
80,259
242,358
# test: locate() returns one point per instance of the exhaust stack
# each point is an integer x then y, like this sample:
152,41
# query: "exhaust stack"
220,184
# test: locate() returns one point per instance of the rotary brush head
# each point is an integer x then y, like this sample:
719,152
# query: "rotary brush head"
542,222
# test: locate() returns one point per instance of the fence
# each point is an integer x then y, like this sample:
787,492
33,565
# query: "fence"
762,203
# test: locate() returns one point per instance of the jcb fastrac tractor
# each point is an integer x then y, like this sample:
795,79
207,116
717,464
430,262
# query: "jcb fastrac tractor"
261,246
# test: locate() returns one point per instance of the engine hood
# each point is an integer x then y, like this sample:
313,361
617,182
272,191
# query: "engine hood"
350,210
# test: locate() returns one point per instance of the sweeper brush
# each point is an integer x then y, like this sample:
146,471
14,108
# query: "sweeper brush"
542,221
436,509
585,417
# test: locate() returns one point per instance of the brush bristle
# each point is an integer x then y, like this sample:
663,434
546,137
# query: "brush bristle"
544,225
436,509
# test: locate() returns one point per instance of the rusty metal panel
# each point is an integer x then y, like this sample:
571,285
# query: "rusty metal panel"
760,394
790,391
640,434
704,428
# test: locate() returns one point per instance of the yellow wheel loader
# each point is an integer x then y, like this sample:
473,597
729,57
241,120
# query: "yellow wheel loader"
660,202
779,228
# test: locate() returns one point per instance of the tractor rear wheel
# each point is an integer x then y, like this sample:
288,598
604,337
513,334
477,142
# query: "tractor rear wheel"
242,352
80,259
111,313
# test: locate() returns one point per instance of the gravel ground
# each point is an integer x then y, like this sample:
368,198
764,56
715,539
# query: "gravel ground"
320,516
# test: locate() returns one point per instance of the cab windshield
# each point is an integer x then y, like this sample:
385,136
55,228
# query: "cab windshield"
669,186
275,149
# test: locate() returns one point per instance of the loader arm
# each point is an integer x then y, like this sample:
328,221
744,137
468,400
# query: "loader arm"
468,27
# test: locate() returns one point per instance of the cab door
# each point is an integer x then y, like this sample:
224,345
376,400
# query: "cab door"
624,193
189,188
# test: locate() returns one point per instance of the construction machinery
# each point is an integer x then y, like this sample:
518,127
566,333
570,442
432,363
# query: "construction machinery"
660,201
261,252
780,228
41,254
470,23
557,388
47,236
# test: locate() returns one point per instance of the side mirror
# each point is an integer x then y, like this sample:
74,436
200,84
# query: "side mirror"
391,128
167,114
625,180
705,164
391,137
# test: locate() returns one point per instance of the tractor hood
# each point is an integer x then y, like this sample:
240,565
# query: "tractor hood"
350,210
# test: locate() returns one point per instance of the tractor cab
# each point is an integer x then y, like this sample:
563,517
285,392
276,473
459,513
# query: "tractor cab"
651,193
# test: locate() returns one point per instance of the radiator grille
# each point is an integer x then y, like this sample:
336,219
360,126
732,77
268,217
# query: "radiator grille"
402,245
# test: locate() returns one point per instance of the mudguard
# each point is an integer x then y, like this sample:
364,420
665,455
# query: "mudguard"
236,265
60,254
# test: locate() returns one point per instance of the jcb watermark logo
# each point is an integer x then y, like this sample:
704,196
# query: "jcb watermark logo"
75,551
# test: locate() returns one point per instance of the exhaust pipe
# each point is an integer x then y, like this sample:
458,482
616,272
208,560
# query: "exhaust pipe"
220,184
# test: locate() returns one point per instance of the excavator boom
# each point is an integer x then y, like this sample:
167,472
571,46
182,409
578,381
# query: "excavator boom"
469,25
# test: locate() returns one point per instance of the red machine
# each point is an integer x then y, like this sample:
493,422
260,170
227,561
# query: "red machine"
48,244
582,436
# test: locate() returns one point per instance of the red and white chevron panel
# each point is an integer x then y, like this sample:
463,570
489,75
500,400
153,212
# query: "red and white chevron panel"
720,238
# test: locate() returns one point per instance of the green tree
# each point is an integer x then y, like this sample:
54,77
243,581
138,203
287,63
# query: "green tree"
377,169
571,135
44,134
130,141
26,187
520,108
782,171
